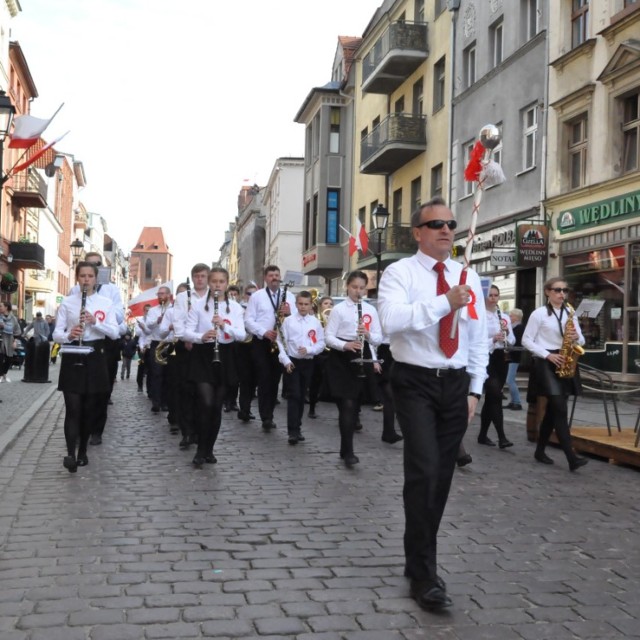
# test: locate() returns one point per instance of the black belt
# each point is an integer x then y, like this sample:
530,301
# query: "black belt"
442,372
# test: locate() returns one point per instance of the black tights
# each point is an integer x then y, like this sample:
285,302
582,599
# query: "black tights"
556,416
80,412
347,416
492,408
210,399
388,411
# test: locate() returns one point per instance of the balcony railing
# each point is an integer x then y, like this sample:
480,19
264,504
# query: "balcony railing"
397,242
399,51
29,189
399,138
27,255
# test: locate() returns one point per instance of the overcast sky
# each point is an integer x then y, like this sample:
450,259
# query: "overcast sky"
171,106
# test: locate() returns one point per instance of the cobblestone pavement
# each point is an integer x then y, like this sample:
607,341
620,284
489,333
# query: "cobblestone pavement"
277,541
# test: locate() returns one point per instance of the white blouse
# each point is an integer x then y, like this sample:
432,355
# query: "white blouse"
343,323
199,321
68,316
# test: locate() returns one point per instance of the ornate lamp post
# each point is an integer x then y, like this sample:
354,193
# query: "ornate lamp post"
380,217
77,247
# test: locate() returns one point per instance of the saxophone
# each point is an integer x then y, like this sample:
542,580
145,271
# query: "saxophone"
570,350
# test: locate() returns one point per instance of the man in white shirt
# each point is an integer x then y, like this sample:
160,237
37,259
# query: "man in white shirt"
437,380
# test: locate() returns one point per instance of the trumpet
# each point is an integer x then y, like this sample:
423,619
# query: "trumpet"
216,344
164,349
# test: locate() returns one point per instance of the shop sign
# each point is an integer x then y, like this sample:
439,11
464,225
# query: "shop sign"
59,299
308,258
500,237
532,244
602,212
503,259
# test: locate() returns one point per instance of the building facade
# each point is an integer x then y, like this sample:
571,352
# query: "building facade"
250,237
150,261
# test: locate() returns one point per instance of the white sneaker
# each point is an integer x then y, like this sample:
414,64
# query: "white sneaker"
3,378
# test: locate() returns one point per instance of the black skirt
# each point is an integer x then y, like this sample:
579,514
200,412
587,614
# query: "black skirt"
202,368
85,374
543,381
341,373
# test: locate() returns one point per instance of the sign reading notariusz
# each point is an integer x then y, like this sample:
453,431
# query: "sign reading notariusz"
532,242
597,213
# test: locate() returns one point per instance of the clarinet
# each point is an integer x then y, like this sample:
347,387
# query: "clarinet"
216,345
83,307
361,373
188,295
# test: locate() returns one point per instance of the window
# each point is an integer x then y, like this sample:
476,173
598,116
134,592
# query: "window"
418,94
530,19
314,226
469,186
419,11
333,215
315,150
438,84
416,193
529,134
579,22
398,107
441,5
628,3
334,131
148,269
396,214
436,180
631,131
497,40
362,214
307,225
577,134
469,61
496,156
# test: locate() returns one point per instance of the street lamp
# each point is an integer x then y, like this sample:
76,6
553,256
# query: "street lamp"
77,247
380,217
7,111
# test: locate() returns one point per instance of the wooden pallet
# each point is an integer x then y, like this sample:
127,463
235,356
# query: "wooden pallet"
618,447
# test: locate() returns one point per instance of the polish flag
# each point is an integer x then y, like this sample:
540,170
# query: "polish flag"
150,296
27,130
36,156
363,239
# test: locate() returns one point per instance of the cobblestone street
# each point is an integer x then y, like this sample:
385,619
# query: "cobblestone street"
276,541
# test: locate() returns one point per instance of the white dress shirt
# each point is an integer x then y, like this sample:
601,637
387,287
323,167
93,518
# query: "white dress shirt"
108,291
166,332
494,326
200,320
343,323
68,316
300,331
181,310
410,311
151,326
542,333
260,315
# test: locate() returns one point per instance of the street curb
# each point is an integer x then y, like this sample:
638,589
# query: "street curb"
8,437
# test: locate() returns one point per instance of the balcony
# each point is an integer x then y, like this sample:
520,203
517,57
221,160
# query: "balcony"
29,189
398,242
399,51
323,260
399,138
27,255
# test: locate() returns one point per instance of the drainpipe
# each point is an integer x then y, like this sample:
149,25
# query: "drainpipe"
453,8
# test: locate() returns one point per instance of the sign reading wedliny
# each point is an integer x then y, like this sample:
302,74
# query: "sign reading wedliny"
532,242
597,213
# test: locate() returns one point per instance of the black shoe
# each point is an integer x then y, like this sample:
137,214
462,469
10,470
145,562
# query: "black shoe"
513,406
542,457
430,596
267,425
70,464
198,461
293,439
358,426
174,428
243,416
464,460
164,408
251,416
505,444
227,408
110,402
184,443
577,463
351,460
210,459
155,409
234,407
95,439
312,414
392,439
82,460
487,442
139,389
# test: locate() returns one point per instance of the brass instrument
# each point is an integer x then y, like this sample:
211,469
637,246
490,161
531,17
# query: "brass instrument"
324,317
280,318
216,344
315,294
165,348
570,350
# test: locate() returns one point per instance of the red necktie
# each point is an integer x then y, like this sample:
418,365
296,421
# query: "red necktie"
448,344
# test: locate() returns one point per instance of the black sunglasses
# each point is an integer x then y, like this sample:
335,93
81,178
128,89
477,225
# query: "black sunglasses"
560,289
438,224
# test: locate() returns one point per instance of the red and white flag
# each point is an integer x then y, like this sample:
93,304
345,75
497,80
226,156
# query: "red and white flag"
35,156
361,241
27,130
149,297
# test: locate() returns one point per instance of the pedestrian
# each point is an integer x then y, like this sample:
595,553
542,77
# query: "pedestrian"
352,331
500,337
84,377
128,348
549,328
9,331
36,364
301,338
438,338
515,315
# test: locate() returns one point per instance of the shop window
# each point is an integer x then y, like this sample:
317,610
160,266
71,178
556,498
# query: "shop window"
597,278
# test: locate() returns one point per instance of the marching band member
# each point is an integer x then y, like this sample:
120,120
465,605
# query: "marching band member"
143,348
389,433
544,335
500,336
317,384
302,338
353,326
231,399
213,324
84,377
266,309
246,369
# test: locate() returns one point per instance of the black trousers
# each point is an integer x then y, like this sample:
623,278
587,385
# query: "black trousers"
299,380
497,370
246,375
268,371
432,413
156,378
